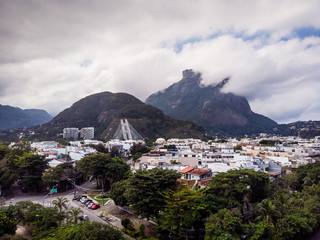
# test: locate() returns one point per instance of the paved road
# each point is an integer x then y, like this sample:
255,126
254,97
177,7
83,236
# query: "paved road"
17,196
47,202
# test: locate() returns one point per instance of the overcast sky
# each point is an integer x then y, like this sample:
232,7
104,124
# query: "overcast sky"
55,52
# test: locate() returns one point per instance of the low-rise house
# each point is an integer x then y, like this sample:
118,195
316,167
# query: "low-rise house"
219,167
156,159
51,155
191,175
189,159
55,162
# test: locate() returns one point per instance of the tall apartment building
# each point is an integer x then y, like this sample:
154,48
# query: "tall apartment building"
71,133
87,133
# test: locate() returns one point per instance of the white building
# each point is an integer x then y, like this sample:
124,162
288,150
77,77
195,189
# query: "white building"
87,133
71,133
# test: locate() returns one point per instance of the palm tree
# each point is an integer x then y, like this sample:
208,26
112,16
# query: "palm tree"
60,202
267,212
73,215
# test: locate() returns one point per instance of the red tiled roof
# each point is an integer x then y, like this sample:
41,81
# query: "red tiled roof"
185,170
199,171
195,171
50,153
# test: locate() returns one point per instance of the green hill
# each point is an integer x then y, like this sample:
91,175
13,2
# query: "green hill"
103,111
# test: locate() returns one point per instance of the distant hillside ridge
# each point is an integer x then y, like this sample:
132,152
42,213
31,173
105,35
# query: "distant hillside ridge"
304,129
104,110
215,111
14,117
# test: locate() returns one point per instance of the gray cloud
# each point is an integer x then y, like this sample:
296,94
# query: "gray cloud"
52,53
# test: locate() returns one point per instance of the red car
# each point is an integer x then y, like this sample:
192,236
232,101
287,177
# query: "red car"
95,206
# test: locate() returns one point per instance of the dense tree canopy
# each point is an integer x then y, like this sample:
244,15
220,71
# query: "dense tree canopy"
290,211
306,175
7,225
103,168
9,162
31,167
182,209
3,151
141,148
269,142
233,187
26,166
88,230
100,148
145,188
238,204
225,221
48,223
117,193
44,220
137,150
60,175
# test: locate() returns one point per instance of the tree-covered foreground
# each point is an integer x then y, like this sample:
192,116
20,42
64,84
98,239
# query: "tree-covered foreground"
22,164
59,223
239,204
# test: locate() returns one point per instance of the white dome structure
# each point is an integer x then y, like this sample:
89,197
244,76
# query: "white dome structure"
160,141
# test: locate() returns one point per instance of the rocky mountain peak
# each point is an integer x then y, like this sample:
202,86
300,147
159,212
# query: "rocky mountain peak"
216,111
223,83
191,78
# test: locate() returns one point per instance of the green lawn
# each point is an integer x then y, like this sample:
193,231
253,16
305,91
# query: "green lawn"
98,198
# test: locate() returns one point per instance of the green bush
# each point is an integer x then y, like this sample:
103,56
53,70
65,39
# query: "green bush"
132,233
127,224
13,237
141,229
7,225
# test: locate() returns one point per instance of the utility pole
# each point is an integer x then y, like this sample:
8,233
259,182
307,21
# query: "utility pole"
52,190
102,192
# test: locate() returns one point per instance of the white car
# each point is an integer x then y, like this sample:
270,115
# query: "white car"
90,204
84,217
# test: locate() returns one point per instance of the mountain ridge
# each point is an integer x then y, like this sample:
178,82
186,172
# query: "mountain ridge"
14,117
104,110
207,106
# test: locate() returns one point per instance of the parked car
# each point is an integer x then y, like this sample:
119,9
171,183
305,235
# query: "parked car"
90,204
95,206
79,197
84,217
82,196
83,199
24,189
76,197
